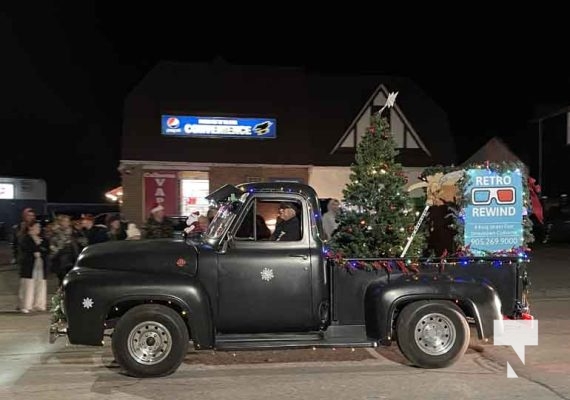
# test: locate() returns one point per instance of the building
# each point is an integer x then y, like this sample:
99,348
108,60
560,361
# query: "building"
495,150
175,145
16,194
550,131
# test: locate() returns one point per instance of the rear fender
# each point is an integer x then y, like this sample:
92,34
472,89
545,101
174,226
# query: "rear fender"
383,302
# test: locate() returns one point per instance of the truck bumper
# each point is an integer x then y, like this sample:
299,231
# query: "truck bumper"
522,316
56,330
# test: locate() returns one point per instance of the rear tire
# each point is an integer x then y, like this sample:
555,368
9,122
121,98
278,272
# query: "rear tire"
150,340
432,334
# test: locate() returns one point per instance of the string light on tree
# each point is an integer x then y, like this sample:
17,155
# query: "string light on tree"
377,213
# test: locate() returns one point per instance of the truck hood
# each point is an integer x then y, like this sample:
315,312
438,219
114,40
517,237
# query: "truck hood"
148,256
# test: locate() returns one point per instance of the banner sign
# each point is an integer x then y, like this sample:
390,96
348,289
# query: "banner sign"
219,127
161,187
494,212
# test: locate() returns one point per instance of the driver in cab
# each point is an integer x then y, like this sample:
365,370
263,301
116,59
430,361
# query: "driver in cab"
287,227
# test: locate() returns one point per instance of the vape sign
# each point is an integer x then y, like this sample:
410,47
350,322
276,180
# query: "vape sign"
494,213
161,187
219,127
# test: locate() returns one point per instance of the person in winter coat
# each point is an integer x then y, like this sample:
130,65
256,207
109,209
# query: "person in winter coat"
18,230
115,228
329,218
287,227
158,226
92,233
32,260
64,247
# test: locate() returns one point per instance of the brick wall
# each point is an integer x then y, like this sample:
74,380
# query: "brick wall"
220,176
133,206
132,182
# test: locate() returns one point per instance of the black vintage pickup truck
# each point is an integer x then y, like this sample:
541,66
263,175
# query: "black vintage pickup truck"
237,289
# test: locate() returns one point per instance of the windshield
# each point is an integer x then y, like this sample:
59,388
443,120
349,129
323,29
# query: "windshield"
224,217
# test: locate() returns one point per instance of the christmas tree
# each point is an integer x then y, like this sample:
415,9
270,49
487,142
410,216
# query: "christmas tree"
378,217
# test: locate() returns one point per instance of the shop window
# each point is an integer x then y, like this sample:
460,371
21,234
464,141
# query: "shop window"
194,192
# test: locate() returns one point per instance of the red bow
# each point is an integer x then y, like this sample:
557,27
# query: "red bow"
534,190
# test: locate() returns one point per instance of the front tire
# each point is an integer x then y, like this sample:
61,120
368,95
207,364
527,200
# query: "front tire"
150,340
432,334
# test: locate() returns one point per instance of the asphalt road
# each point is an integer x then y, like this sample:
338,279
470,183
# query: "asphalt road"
31,368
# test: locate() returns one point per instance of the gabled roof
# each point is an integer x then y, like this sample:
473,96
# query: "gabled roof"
383,93
312,111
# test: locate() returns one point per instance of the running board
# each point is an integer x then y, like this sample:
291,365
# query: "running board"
266,345
268,337
290,341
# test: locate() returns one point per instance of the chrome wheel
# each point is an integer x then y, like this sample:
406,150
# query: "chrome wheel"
149,342
435,334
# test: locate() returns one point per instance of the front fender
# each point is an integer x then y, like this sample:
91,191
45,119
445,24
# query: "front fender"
91,295
383,300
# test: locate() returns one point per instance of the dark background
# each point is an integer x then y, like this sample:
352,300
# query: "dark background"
67,67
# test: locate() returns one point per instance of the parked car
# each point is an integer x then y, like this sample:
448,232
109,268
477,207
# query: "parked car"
232,291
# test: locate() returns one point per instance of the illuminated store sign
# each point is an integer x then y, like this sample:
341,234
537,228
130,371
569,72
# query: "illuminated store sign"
219,127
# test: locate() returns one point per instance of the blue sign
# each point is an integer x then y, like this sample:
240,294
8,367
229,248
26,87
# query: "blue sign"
219,127
494,214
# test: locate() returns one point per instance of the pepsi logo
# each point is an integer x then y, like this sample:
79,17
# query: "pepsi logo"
173,122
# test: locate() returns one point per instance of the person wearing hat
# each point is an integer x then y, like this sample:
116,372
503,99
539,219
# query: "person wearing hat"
157,226
115,227
288,227
93,233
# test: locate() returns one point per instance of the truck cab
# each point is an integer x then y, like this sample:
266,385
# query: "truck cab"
265,284
241,287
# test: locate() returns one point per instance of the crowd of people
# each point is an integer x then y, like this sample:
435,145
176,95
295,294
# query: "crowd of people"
40,250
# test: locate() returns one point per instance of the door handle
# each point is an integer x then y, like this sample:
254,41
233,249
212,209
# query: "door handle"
303,256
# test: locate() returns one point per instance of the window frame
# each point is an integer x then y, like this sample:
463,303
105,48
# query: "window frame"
273,198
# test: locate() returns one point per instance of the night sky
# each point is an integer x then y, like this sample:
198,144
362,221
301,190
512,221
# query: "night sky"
66,70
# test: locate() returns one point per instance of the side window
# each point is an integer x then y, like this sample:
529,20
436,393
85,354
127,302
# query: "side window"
271,220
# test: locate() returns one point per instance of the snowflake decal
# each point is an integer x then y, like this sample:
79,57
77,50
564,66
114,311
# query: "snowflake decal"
87,302
267,274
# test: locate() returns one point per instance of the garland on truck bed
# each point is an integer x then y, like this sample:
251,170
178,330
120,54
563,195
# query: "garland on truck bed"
412,266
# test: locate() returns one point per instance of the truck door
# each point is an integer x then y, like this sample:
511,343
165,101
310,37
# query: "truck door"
265,284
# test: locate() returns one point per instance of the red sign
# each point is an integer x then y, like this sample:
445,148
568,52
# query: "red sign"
161,187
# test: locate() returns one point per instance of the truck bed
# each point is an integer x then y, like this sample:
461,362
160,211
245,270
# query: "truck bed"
507,276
